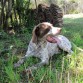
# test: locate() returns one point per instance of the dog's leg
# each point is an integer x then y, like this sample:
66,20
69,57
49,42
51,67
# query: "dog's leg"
70,53
37,65
21,61
43,62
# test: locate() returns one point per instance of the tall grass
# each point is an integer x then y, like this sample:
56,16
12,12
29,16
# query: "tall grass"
61,68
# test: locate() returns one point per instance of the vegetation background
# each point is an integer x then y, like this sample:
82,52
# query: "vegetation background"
16,24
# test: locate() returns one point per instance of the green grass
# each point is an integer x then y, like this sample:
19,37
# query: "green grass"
61,68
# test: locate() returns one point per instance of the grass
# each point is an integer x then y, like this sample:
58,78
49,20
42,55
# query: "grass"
61,68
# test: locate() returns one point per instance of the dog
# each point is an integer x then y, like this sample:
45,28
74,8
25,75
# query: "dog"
45,42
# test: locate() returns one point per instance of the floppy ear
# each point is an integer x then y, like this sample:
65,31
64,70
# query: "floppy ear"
35,34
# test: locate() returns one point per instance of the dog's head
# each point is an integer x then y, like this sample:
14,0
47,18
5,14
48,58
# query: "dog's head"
44,30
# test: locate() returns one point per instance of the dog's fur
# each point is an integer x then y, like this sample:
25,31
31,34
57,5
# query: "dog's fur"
45,43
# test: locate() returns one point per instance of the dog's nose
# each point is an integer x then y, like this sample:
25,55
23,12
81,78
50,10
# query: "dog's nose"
56,30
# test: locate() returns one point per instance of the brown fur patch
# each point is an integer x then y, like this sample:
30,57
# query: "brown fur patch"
39,31
42,29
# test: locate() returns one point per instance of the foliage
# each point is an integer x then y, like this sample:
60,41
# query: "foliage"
19,13
15,14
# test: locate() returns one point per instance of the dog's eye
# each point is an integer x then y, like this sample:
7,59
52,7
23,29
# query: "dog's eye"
47,30
44,32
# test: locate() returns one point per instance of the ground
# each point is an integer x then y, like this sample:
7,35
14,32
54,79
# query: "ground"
61,68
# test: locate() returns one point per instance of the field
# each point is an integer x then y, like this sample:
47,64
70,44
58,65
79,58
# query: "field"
61,68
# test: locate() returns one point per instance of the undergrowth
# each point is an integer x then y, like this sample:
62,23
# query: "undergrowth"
61,68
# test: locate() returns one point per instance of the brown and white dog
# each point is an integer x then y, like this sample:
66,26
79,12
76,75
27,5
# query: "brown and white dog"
45,43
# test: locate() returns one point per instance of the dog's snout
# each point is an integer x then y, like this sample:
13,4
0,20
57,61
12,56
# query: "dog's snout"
59,29
56,30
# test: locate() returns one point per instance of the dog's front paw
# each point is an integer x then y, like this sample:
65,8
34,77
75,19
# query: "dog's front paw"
18,63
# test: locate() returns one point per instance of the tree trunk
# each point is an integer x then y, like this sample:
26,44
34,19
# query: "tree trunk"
2,17
36,4
8,14
14,10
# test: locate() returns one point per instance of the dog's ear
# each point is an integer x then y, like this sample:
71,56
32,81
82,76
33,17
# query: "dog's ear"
35,34
39,31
